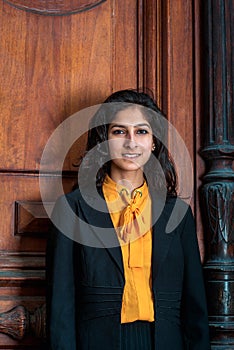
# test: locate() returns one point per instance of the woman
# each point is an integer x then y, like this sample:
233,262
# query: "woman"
116,278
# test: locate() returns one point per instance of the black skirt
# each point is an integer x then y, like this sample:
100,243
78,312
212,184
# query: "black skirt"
137,335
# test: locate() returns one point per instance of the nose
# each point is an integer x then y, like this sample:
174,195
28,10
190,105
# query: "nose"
130,141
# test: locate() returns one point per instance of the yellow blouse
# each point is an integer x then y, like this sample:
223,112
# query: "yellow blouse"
131,217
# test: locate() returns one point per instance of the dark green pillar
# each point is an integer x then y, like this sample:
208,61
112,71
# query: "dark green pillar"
217,192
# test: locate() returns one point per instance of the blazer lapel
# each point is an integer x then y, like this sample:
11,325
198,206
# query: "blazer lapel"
161,240
102,232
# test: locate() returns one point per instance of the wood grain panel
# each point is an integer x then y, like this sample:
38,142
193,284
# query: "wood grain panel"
178,72
54,7
179,89
50,67
21,187
150,47
124,45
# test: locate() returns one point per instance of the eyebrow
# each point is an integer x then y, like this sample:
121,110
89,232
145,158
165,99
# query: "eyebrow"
135,126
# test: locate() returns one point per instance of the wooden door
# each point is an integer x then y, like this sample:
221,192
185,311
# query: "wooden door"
58,57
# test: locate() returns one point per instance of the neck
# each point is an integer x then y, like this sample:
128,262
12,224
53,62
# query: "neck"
130,179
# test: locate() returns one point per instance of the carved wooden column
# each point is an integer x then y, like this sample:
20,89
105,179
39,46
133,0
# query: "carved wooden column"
217,192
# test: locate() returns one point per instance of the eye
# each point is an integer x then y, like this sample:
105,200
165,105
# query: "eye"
142,131
118,132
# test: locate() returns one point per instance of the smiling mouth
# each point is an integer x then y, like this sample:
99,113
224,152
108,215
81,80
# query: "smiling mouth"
131,155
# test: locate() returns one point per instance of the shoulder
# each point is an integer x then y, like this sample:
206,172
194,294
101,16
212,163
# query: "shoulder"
65,207
78,201
179,213
73,196
71,199
65,216
176,202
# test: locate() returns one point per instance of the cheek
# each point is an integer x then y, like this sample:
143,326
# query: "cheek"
115,146
148,151
148,145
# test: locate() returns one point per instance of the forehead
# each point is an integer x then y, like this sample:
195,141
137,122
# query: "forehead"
130,116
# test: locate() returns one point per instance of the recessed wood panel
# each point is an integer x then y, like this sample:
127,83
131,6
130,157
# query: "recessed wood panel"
31,218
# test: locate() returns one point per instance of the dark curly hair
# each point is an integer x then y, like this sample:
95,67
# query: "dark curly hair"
98,134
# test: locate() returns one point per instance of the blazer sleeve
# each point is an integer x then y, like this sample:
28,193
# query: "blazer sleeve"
61,327
194,308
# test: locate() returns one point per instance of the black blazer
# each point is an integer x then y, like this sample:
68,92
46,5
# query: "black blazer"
85,278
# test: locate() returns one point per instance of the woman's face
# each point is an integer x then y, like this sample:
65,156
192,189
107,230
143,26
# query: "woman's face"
131,141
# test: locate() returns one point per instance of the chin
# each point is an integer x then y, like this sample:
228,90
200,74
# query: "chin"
129,167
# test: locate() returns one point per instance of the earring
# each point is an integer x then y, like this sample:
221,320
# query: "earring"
153,147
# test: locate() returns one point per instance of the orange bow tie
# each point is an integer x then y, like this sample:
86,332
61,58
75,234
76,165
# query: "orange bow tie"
131,216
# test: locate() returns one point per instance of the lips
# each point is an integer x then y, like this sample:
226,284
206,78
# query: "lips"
131,155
